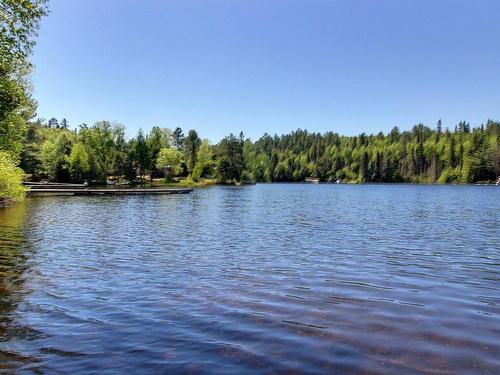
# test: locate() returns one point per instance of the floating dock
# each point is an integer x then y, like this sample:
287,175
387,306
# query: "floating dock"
89,191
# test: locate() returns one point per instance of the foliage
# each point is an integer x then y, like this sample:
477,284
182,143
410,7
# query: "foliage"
230,159
79,164
204,162
14,110
178,138
170,160
420,155
19,22
157,139
99,141
191,146
142,153
55,158
10,178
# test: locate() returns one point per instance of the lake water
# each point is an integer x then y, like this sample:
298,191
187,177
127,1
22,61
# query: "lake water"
277,278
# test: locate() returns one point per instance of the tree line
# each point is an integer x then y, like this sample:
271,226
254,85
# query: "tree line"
99,152
420,155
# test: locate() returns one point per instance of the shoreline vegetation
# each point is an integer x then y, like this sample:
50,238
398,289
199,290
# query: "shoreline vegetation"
40,150
101,154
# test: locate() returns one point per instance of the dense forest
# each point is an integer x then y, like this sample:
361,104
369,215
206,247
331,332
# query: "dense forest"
422,155
55,151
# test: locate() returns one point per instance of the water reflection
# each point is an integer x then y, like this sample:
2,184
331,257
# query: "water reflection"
15,266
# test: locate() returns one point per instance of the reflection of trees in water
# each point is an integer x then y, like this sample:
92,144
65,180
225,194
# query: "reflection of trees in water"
14,263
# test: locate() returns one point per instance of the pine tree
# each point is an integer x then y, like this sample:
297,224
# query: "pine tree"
64,124
142,153
438,131
191,146
178,139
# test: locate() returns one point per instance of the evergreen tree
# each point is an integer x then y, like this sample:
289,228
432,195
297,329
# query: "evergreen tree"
191,146
178,138
452,156
142,154
438,131
64,124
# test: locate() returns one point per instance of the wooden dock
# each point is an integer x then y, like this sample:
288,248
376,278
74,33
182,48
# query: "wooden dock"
53,185
89,191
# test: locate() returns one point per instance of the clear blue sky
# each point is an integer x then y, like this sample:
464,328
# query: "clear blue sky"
222,66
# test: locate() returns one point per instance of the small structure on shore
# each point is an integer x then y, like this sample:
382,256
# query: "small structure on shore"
332,180
312,180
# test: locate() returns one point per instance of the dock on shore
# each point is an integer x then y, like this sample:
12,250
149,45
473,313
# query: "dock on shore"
53,185
33,191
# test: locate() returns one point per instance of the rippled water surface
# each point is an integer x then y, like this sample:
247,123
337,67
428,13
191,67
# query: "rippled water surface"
279,278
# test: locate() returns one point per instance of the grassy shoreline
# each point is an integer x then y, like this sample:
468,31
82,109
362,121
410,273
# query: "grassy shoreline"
213,182
185,182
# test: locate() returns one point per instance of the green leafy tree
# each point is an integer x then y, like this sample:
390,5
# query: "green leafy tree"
10,178
231,162
55,158
30,155
100,145
121,150
79,164
19,22
14,109
156,140
170,160
204,162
